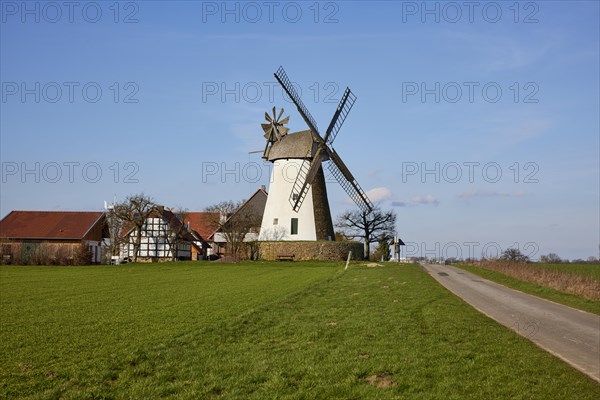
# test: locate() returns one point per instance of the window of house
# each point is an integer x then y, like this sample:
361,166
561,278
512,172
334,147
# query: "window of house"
294,229
275,221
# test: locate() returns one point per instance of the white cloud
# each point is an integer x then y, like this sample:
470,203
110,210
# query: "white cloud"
426,199
379,194
374,172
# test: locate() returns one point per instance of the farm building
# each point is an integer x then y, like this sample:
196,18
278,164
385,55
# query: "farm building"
243,225
52,237
220,230
164,237
203,225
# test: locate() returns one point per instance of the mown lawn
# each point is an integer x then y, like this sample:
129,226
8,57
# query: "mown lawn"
260,330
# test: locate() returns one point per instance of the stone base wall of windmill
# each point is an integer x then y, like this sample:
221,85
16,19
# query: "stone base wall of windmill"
311,250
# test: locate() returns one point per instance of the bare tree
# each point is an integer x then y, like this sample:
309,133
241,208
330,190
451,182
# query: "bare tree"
115,226
177,230
275,233
237,227
224,208
235,223
514,255
222,211
134,212
551,258
370,227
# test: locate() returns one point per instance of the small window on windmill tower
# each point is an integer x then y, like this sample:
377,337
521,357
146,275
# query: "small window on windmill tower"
275,221
294,230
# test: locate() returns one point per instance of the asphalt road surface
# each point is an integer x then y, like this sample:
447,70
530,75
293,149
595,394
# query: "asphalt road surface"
570,334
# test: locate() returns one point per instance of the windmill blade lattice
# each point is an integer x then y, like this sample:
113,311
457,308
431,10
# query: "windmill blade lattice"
306,174
285,82
343,175
340,115
311,164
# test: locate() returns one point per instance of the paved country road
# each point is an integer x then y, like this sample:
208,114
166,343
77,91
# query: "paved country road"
570,334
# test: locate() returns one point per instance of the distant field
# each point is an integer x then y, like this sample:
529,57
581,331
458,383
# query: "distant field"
583,270
260,330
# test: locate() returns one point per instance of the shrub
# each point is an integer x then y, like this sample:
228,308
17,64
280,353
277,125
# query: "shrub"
83,255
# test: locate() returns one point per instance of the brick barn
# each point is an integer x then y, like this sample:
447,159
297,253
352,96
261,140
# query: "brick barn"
52,237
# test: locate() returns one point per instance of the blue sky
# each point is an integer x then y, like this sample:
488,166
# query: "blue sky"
494,89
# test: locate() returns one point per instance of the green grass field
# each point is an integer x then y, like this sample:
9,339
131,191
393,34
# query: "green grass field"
260,330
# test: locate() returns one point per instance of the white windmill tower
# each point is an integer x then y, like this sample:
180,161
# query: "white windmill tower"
297,207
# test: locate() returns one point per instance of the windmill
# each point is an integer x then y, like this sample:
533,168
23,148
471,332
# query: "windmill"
297,192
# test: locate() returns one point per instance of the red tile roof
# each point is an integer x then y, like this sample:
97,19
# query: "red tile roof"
48,224
205,223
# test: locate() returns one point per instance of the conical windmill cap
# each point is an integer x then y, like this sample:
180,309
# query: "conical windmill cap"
298,145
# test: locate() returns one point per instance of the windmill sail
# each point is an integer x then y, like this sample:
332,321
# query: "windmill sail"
311,164
285,82
343,175
307,173
340,115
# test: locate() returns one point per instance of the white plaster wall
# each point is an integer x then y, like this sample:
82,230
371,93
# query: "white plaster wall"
278,206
